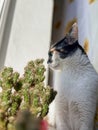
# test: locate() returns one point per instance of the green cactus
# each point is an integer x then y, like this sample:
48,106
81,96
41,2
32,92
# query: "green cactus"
24,93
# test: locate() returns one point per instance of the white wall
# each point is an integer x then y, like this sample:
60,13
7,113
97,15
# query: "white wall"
27,32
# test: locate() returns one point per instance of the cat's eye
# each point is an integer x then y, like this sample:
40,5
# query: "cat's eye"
63,53
61,50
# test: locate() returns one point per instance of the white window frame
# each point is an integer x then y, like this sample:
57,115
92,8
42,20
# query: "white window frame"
4,7
1,6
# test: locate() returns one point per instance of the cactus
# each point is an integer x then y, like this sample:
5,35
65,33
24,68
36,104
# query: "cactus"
24,93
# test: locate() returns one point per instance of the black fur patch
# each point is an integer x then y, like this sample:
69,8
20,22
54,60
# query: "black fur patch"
69,50
65,49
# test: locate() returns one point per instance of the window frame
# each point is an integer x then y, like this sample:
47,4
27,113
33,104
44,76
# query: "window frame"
4,8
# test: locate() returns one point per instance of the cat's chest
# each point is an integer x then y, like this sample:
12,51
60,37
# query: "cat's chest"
64,79
66,83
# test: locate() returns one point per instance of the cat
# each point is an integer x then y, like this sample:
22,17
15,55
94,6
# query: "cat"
75,104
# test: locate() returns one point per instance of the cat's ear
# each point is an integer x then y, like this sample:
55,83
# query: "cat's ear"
73,34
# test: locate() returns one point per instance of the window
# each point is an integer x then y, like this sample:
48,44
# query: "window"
4,6
1,6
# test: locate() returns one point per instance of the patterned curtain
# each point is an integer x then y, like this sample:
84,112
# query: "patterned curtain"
85,13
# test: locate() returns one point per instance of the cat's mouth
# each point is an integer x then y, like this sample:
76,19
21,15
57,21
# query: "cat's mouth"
53,64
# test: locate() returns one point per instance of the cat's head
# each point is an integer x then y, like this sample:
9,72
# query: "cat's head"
64,48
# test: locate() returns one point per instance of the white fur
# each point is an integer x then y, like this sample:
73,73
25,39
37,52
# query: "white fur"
75,104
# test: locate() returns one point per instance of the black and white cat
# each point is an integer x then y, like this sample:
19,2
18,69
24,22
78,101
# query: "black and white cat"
75,104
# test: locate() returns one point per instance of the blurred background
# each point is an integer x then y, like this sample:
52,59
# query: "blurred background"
29,27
